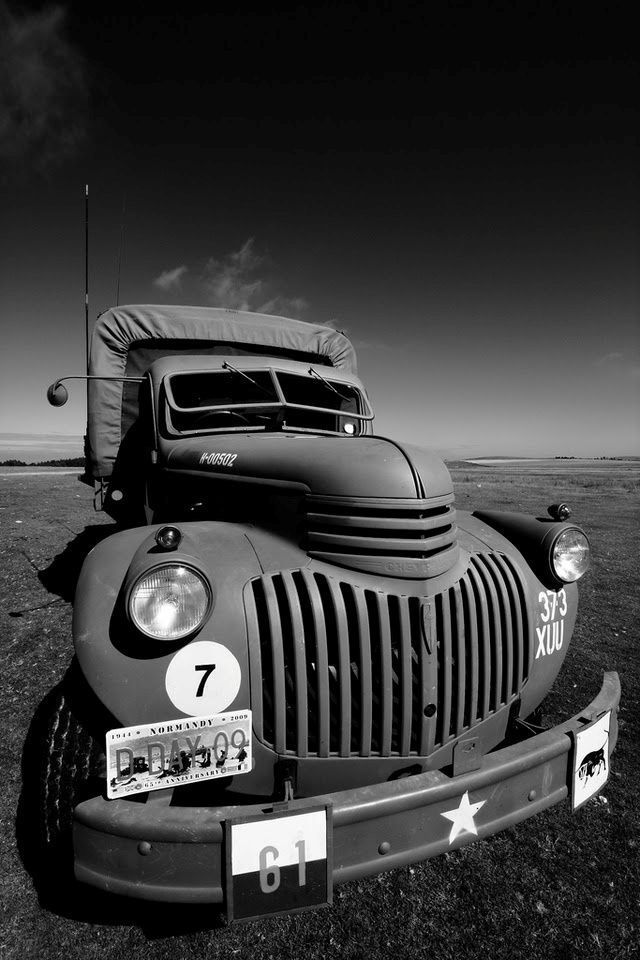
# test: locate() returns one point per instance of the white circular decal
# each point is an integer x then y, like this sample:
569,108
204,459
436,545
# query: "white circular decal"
203,677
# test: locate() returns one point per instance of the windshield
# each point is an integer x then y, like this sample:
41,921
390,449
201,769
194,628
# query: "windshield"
234,399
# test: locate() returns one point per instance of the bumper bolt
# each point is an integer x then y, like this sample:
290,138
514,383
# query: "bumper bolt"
144,848
384,847
532,795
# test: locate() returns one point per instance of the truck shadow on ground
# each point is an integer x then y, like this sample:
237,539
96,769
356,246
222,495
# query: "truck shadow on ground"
49,861
61,576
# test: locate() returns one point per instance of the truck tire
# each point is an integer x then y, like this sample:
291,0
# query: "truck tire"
70,770
63,763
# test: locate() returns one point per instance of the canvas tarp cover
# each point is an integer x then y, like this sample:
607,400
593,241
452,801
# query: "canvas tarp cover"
127,339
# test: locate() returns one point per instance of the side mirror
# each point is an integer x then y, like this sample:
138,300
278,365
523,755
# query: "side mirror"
57,394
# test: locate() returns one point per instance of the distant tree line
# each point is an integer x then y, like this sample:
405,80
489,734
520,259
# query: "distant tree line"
73,462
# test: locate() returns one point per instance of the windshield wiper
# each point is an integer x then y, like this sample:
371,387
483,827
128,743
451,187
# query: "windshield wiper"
328,385
227,366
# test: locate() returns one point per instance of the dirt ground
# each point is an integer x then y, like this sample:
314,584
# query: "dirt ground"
559,885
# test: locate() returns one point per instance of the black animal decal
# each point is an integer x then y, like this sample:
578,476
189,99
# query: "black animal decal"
593,763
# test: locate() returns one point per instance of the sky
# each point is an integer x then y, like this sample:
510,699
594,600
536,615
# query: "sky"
453,185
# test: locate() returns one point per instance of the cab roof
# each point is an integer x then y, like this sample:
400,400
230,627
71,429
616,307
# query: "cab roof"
127,340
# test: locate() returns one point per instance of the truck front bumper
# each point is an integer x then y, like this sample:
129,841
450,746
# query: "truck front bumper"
155,851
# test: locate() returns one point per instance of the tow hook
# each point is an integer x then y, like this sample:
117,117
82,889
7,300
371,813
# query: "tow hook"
286,779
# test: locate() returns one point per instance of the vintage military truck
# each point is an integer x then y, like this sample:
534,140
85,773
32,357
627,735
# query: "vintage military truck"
297,663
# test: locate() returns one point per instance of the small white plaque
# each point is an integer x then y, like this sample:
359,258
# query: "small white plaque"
590,760
278,862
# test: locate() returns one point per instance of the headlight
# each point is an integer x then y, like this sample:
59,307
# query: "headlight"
169,602
570,555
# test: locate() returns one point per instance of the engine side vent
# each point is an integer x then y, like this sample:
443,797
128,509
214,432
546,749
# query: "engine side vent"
340,670
403,538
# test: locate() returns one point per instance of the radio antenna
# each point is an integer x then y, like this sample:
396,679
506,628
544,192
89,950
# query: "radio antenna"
86,273
86,324
124,207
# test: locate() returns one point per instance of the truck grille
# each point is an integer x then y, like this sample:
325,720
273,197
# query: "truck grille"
405,538
340,670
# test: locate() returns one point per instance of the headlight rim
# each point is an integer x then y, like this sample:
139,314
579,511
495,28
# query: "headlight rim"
552,546
173,563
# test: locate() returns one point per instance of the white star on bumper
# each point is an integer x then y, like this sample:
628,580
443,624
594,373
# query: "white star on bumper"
462,817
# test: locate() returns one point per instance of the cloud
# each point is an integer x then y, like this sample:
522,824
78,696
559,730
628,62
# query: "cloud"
43,88
240,280
171,279
231,282
608,358
619,364
284,306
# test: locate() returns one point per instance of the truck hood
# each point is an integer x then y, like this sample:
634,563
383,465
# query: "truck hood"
362,467
369,503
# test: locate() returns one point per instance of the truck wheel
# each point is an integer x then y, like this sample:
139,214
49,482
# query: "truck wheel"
62,764
72,767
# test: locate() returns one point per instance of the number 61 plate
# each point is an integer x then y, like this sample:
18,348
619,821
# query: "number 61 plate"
170,753
279,862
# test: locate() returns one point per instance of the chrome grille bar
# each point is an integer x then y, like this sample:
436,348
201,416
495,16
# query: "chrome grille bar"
300,665
405,677
461,659
277,654
386,673
321,663
366,682
471,618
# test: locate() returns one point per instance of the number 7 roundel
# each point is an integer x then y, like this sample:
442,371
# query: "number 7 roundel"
203,677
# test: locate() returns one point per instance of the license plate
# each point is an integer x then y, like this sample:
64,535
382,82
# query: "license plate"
278,862
590,760
171,753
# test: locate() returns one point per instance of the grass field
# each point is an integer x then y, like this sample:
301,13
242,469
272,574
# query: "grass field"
559,885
